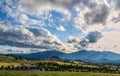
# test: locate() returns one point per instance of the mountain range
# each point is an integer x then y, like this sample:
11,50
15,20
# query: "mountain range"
88,56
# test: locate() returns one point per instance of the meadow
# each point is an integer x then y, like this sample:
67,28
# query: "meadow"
39,73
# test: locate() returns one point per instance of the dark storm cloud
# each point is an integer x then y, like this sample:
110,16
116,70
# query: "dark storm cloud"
94,36
84,42
97,16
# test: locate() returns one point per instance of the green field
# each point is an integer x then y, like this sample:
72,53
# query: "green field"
39,73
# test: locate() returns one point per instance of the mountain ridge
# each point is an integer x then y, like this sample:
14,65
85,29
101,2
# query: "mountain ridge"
82,55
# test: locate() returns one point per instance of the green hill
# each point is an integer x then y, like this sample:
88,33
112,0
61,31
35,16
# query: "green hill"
56,64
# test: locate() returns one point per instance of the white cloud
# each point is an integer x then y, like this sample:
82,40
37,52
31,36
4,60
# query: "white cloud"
60,28
27,22
109,42
27,37
39,7
31,38
77,43
91,12
97,14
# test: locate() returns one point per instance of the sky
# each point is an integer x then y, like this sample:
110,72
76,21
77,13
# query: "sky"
28,26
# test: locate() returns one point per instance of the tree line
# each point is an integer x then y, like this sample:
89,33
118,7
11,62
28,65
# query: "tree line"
52,66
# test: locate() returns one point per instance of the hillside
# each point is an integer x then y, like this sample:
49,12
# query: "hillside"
53,63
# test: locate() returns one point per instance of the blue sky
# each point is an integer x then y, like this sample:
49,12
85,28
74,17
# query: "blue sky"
67,26
56,18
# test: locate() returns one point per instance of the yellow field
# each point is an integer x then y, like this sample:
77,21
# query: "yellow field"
5,64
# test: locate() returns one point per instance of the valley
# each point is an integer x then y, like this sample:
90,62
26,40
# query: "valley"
54,63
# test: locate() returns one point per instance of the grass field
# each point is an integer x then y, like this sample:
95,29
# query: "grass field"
39,73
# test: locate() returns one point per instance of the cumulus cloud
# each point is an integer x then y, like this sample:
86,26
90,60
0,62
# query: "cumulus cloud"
28,37
84,42
75,42
43,6
84,13
31,38
79,43
38,7
60,28
97,16
95,13
94,36
26,21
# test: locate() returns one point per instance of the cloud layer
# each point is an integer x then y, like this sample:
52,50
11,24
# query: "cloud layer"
83,12
27,23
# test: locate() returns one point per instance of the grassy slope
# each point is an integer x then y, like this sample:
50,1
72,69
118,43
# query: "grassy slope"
38,73
9,60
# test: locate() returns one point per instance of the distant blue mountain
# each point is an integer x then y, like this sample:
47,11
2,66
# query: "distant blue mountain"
80,55
41,55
